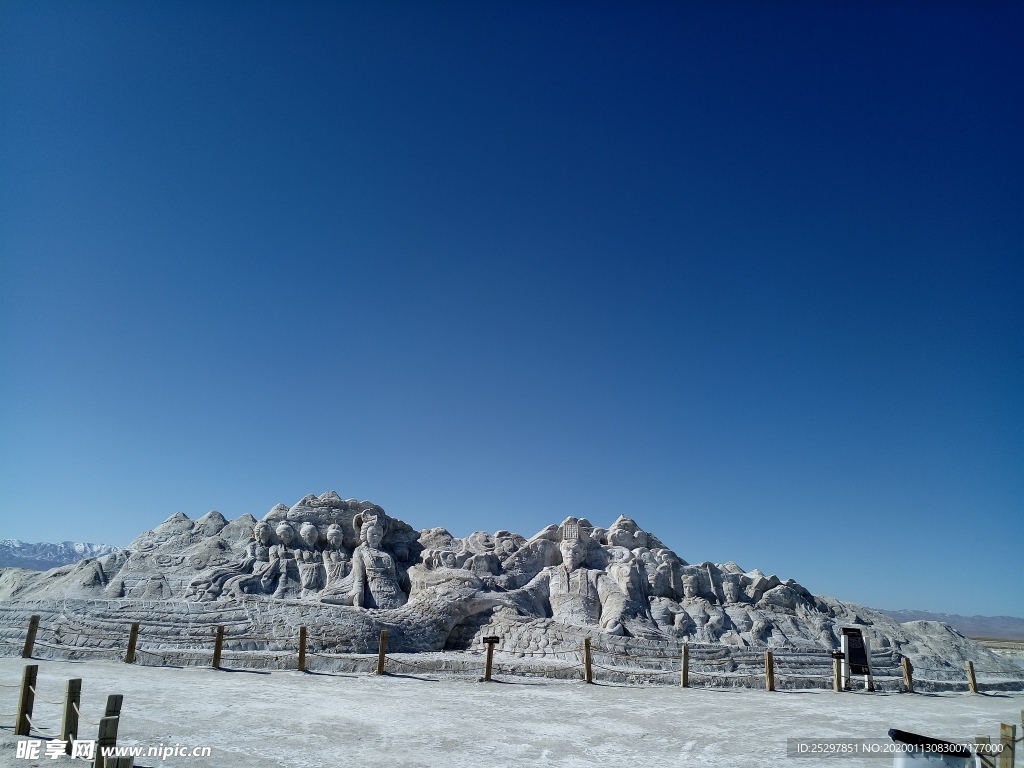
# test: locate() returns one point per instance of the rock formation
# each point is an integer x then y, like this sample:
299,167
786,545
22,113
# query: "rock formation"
349,569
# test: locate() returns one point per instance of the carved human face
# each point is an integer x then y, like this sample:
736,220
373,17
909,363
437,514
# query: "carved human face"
286,534
572,553
335,536
374,535
731,590
262,533
689,587
310,535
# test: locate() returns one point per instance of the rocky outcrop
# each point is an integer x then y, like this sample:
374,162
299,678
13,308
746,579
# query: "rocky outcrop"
347,570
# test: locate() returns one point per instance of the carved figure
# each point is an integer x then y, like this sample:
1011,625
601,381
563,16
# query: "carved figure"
309,535
375,581
708,620
669,616
574,594
237,578
283,556
337,563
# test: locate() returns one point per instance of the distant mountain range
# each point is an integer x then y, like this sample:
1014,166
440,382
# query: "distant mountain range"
987,627
43,556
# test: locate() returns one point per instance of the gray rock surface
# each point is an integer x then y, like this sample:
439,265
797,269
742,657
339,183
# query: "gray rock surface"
347,570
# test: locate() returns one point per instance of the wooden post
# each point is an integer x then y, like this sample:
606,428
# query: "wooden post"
30,638
107,737
769,671
218,646
684,667
1007,738
972,684
588,672
489,663
837,672
302,649
489,641
908,674
133,638
382,651
113,708
26,700
69,723
985,759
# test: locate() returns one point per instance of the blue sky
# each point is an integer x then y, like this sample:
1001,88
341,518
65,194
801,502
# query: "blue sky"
749,273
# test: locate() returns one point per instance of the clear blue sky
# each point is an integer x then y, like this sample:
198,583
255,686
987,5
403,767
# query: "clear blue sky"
749,273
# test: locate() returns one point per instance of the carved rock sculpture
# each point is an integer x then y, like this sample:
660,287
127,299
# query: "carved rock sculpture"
351,569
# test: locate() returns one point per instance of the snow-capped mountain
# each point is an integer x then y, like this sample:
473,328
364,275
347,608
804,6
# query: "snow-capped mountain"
43,556
1008,628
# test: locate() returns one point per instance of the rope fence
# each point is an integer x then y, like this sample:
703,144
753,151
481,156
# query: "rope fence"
707,664
83,717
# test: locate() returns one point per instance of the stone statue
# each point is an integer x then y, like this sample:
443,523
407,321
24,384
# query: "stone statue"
337,563
708,619
434,591
240,577
574,594
309,535
283,556
308,561
375,582
670,616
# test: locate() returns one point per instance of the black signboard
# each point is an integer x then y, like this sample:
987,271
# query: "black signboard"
856,652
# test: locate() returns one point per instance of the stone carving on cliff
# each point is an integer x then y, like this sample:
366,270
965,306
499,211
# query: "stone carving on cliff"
350,569
619,580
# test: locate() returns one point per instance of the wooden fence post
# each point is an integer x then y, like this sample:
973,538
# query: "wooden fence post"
30,638
302,649
972,684
837,672
684,667
1008,739
26,700
382,651
769,671
69,723
133,638
588,673
218,647
107,737
113,708
908,674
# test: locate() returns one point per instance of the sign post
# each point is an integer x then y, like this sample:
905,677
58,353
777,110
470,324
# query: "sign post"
490,641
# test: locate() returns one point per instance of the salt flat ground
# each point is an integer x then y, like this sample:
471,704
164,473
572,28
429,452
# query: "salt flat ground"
259,719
